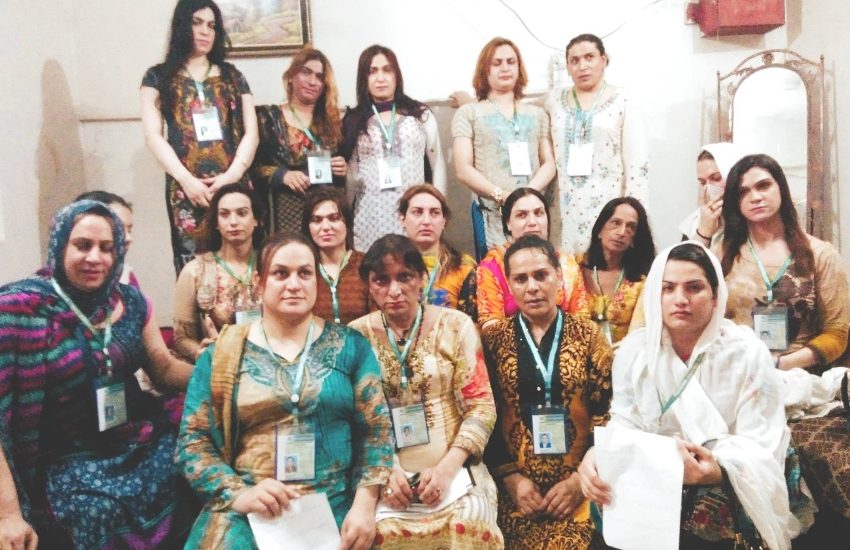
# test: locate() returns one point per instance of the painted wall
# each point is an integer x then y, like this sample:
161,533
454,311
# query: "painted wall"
668,67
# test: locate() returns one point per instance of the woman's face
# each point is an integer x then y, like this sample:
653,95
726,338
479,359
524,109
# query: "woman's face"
534,282
382,79
126,216
759,195
327,226
618,233
397,289
89,254
687,301
289,289
709,173
424,221
528,217
586,65
203,31
504,69
235,219
309,83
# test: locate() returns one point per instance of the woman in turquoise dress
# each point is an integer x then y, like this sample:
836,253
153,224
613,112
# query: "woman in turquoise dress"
258,384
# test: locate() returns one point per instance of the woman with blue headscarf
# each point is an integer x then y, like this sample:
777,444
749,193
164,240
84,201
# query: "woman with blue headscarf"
86,456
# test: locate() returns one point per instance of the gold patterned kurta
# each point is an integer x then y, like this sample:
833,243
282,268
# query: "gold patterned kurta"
450,374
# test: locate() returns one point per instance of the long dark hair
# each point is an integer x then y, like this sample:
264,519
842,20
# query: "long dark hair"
326,112
209,236
397,246
638,258
336,196
736,229
514,196
356,120
180,45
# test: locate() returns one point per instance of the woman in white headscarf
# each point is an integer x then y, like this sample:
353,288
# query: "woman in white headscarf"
693,375
705,224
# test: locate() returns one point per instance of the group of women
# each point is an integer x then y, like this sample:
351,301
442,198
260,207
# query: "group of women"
359,355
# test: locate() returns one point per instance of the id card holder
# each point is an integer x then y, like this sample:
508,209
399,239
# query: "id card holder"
770,324
111,401
207,125
295,452
319,167
389,172
519,158
409,425
548,429
580,162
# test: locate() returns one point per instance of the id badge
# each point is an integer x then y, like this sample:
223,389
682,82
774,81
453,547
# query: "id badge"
410,426
111,404
548,430
605,327
389,172
770,324
519,158
248,316
295,452
319,167
207,125
580,162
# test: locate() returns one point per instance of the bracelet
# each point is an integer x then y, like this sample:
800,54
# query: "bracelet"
498,195
700,235
778,357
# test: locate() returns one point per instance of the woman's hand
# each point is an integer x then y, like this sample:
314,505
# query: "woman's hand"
591,485
268,498
17,534
434,483
397,494
358,527
701,468
338,166
297,181
460,98
208,325
218,181
197,191
563,498
525,494
710,215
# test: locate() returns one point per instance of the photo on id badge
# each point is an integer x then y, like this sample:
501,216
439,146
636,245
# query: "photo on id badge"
549,429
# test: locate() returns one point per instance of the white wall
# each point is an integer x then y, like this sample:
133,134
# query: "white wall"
667,66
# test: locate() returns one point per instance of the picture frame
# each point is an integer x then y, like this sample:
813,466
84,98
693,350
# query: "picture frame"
266,28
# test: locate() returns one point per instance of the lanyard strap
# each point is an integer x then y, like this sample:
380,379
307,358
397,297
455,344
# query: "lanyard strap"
302,362
332,283
199,86
549,368
768,282
402,354
432,279
388,133
303,127
247,280
582,116
682,385
602,313
103,339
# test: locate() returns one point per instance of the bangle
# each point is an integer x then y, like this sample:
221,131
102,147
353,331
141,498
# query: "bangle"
778,357
700,235
498,195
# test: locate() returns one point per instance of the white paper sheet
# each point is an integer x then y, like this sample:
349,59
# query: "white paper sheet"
459,486
309,524
645,472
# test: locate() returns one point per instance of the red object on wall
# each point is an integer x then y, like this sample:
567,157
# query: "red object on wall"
728,17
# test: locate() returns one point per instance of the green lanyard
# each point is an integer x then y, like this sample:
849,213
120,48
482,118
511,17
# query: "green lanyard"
584,117
302,362
103,339
401,355
432,278
333,283
388,133
303,127
549,368
768,283
245,282
602,314
199,86
683,385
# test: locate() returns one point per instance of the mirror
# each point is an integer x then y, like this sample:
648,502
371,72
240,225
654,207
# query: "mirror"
772,102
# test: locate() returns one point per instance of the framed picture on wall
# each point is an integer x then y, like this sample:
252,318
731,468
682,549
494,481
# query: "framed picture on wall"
266,27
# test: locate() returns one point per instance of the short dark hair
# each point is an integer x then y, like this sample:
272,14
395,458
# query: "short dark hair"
209,237
694,253
397,246
275,243
638,259
336,196
531,242
586,37
106,198
517,194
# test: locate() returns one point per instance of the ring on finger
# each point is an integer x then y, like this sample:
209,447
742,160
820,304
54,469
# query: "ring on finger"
388,491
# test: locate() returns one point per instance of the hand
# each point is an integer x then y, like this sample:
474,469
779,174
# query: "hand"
338,166
297,181
701,468
17,534
710,215
268,498
397,494
218,181
591,485
434,483
525,494
196,191
460,98
209,329
358,528
563,498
